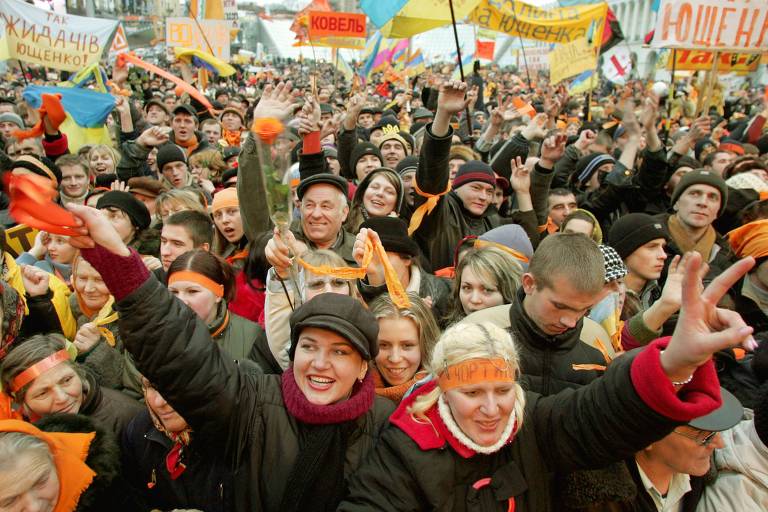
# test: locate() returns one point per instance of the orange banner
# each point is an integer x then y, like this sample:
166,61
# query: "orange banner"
336,24
692,60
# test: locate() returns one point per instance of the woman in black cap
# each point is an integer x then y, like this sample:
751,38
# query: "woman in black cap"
292,440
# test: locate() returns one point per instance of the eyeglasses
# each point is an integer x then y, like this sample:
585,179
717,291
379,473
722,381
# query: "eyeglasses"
705,441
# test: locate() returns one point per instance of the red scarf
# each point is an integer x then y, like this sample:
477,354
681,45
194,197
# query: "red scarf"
303,410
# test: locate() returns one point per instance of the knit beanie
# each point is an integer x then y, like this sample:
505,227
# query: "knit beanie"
634,230
586,166
133,208
700,146
513,237
169,153
146,186
362,149
407,164
614,266
393,233
232,111
702,177
10,117
474,170
393,133
225,198
41,166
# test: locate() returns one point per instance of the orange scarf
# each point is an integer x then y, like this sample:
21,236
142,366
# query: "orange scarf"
394,393
69,452
189,146
232,138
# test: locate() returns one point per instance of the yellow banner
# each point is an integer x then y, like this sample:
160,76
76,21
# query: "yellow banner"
570,59
418,16
560,25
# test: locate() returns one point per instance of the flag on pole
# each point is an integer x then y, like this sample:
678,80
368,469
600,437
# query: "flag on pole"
583,83
416,64
344,67
466,62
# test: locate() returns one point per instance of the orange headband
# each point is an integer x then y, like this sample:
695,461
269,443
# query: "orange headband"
38,369
475,371
187,275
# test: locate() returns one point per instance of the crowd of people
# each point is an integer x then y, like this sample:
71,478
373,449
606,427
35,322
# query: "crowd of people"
476,305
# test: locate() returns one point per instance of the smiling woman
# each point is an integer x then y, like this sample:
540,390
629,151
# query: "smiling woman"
44,380
379,194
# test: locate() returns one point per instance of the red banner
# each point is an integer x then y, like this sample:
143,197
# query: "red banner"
337,24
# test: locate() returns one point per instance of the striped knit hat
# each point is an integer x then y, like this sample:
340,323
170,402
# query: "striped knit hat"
474,170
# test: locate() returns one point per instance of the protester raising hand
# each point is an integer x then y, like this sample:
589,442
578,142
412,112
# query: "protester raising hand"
552,150
520,181
536,128
702,327
96,230
451,100
35,280
275,101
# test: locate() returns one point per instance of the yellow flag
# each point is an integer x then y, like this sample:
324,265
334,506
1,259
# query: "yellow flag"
560,25
418,16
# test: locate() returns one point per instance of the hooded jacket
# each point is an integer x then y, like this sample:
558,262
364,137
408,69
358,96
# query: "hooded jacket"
742,480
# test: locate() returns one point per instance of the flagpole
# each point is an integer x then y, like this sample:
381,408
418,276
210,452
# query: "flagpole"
522,48
23,73
461,68
671,98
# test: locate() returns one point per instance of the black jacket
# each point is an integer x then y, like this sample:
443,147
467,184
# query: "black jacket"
239,415
205,484
601,423
109,408
548,362
442,230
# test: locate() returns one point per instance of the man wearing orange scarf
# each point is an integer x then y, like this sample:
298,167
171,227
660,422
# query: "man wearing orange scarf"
185,134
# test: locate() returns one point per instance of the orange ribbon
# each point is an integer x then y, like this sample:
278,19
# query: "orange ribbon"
426,208
32,204
394,286
38,369
475,371
515,254
180,84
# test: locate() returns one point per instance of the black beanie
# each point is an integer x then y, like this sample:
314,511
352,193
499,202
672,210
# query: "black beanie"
393,233
702,177
362,149
168,153
409,163
42,166
586,166
634,230
133,208
474,170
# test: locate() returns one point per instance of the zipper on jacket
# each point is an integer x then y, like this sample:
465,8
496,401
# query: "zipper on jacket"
546,372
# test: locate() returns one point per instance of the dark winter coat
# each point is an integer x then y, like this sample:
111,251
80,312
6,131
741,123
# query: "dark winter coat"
206,483
429,286
442,230
591,427
108,408
237,414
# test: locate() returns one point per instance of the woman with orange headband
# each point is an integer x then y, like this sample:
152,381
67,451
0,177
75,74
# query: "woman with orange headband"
485,277
206,284
43,379
472,439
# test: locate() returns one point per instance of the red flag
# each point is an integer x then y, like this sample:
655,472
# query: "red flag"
485,49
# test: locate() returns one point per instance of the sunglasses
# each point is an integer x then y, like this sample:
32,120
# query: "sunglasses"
705,441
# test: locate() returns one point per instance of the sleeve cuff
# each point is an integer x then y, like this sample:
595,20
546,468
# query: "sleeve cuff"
697,398
311,143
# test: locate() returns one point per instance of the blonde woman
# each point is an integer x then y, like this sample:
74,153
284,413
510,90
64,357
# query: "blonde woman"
471,439
103,159
406,339
178,200
485,277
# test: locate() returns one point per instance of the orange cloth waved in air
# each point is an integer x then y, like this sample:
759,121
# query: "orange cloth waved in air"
751,239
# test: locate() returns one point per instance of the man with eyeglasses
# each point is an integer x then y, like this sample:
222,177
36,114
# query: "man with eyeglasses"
669,474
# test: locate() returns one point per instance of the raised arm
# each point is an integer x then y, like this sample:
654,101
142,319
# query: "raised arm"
170,344
644,395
